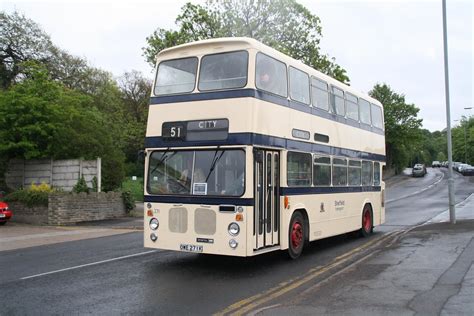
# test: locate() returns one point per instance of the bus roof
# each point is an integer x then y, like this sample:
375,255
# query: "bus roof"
244,43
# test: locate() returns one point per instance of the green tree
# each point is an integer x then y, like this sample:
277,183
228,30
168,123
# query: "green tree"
21,39
41,118
402,126
282,24
463,141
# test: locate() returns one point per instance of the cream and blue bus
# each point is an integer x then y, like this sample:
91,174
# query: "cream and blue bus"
248,151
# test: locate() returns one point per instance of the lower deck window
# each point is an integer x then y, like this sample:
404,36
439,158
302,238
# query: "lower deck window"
339,171
299,169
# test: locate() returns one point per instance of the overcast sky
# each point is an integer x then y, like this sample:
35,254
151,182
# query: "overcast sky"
396,42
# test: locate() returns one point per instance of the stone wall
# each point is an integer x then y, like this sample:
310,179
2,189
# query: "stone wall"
61,174
71,208
37,215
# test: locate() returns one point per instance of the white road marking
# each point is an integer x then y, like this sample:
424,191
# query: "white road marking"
89,264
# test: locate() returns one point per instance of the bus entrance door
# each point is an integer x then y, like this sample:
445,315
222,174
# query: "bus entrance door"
267,198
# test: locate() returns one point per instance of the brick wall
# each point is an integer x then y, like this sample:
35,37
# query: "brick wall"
70,208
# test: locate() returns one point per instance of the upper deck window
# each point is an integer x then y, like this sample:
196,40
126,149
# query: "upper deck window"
271,75
364,108
320,94
299,86
338,101
377,120
223,71
176,76
352,109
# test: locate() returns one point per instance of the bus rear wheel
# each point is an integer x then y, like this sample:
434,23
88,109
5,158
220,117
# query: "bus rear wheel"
296,235
367,221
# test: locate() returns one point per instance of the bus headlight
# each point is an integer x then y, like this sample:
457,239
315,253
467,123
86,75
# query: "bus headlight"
233,243
234,229
154,223
240,209
153,237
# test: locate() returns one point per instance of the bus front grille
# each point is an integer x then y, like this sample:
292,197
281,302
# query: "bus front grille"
178,220
205,221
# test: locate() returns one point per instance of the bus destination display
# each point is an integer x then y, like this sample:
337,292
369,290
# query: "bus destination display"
213,129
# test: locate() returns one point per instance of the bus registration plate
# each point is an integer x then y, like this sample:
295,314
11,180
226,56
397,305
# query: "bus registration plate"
190,248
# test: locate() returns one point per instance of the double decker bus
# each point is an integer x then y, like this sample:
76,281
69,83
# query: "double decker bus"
249,151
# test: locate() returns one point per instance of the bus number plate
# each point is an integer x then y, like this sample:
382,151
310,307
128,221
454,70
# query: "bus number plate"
174,130
190,248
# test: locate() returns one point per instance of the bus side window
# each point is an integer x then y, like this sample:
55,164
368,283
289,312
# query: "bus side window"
299,169
339,171
299,86
321,171
376,173
270,75
338,106
377,119
367,173
320,94
352,108
364,108
354,172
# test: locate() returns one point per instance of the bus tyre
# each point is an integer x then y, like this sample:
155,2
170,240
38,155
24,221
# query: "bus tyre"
296,235
367,221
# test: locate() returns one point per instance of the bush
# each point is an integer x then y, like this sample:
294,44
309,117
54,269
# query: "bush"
128,200
81,186
135,187
29,197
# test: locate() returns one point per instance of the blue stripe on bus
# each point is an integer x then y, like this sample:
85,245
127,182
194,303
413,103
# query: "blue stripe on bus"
328,190
261,95
202,200
265,140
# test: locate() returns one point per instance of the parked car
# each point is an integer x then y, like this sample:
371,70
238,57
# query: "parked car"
467,171
419,170
436,164
5,212
456,164
462,166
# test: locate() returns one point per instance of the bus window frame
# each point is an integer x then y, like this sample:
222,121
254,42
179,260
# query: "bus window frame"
289,86
221,53
286,76
177,93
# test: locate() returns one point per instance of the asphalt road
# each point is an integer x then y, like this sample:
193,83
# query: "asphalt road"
116,275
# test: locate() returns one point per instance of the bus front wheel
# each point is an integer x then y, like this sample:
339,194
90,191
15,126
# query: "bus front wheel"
296,235
367,221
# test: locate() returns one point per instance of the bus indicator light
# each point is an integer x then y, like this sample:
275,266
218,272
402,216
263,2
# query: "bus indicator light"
149,213
287,202
239,217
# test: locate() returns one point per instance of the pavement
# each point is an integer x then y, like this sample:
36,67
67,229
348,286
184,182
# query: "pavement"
427,270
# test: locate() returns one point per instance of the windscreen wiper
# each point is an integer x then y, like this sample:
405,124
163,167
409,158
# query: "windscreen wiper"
163,158
214,162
